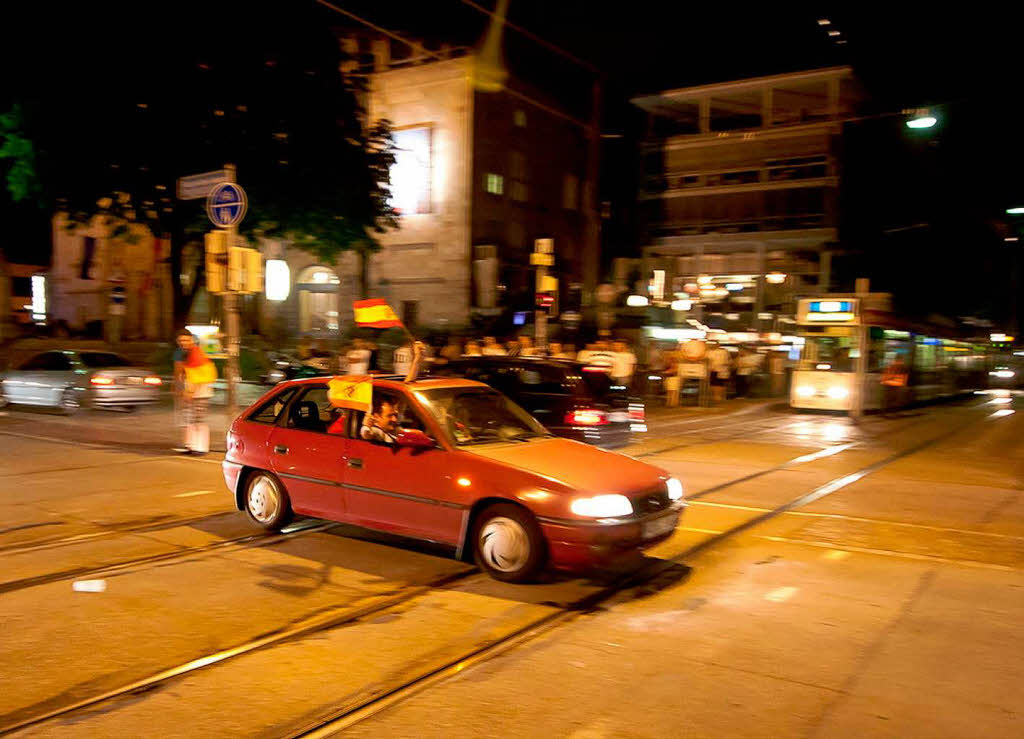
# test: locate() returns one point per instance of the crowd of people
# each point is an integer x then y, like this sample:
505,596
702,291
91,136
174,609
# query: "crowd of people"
656,371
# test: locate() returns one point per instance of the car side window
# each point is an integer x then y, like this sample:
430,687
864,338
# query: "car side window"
408,417
271,410
36,363
312,411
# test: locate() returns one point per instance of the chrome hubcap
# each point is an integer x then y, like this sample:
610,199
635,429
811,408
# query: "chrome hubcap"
264,500
504,544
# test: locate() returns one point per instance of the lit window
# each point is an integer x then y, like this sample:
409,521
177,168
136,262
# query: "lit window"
410,174
495,183
519,118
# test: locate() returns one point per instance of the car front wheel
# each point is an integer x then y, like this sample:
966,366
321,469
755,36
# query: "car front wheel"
266,502
508,544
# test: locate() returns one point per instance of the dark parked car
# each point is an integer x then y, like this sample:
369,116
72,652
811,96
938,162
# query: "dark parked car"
573,400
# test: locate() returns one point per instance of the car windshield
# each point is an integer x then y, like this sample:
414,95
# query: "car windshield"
103,359
478,415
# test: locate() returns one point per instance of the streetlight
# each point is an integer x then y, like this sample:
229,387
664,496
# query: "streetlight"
921,118
926,121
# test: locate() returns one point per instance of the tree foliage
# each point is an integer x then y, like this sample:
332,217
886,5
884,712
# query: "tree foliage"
110,139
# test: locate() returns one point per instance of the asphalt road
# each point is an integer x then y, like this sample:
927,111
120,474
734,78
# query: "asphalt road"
828,580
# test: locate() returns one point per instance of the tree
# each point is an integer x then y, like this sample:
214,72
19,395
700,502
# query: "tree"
271,99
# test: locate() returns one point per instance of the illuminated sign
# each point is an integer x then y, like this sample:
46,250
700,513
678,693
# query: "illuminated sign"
38,297
831,306
278,279
931,342
830,316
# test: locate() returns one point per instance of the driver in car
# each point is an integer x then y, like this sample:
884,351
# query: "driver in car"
381,424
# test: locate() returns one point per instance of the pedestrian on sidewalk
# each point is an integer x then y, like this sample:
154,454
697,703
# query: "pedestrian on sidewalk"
720,366
492,348
357,359
623,364
747,364
195,374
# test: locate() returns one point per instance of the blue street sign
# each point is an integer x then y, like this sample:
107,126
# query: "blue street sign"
226,204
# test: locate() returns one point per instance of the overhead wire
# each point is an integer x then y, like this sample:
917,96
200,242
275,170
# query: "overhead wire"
441,57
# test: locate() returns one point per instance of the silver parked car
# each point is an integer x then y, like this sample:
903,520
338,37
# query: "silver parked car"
72,379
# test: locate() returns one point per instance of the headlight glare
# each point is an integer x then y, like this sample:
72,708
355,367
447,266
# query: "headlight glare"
602,506
805,391
675,488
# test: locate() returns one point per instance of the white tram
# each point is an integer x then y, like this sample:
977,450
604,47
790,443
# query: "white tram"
834,329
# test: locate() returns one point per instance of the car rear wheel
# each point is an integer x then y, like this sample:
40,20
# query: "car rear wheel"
266,502
508,544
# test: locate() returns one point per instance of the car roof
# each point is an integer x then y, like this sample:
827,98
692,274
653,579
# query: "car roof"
394,381
491,359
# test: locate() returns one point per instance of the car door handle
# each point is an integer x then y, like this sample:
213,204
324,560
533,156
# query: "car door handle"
279,449
355,463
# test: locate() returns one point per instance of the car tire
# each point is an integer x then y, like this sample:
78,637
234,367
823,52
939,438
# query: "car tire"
266,502
508,544
70,401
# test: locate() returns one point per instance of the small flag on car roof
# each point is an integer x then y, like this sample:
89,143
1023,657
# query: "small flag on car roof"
351,391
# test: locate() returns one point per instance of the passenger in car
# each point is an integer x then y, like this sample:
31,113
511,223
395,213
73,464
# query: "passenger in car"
381,424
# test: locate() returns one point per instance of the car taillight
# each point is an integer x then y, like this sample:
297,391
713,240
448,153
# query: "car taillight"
606,370
636,413
153,380
586,417
101,380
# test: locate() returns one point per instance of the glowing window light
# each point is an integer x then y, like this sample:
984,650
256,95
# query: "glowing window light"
637,301
775,278
38,297
681,304
278,279
410,173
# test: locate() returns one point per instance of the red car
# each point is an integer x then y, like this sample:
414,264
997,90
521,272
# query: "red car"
451,461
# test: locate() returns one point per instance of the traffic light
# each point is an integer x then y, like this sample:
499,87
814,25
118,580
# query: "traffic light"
216,261
245,270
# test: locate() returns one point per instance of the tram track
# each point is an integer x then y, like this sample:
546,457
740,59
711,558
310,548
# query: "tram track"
380,698
248,541
343,717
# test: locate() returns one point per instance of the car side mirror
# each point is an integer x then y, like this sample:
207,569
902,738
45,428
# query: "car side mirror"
414,438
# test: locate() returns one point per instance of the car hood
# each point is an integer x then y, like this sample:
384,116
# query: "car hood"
573,464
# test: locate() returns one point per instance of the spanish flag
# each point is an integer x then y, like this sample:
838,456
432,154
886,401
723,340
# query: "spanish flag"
375,313
351,391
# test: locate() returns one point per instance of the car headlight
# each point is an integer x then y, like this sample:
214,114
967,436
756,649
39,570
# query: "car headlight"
602,506
805,391
675,488
838,393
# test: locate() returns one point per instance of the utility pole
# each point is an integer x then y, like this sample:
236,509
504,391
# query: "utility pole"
230,308
543,257
863,287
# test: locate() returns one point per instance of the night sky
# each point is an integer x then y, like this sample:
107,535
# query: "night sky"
926,210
